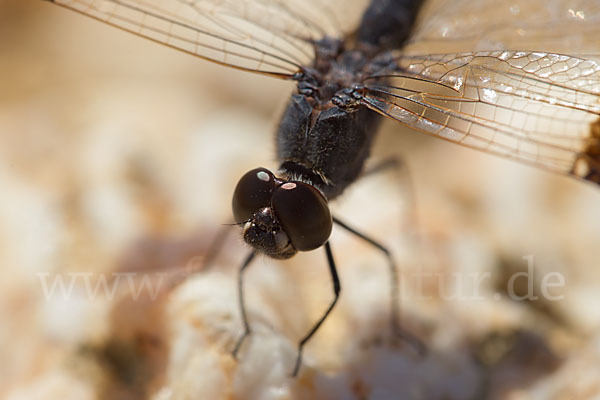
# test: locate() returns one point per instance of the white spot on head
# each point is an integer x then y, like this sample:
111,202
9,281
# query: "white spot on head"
263,176
288,186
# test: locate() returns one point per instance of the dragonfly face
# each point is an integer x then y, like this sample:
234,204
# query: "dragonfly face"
280,217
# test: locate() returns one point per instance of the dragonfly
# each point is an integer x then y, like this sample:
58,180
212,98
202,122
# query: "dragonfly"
506,78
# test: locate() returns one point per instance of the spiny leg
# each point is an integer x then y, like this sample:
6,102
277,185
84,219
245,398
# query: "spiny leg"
402,169
336,291
241,304
394,289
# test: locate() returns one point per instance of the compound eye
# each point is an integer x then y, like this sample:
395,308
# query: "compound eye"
303,213
252,193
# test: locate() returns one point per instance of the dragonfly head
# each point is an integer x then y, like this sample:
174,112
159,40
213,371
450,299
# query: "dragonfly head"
280,217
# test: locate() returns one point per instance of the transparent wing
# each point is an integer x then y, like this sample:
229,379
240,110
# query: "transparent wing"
559,26
537,108
267,36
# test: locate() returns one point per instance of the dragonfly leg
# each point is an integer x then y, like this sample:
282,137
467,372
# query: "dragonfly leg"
242,305
336,291
395,326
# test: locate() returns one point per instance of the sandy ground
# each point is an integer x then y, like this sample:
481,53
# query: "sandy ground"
118,158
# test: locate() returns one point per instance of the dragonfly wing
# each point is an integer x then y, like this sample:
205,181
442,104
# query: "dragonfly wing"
270,37
557,26
537,108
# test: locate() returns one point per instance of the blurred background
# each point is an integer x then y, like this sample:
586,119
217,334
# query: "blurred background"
121,155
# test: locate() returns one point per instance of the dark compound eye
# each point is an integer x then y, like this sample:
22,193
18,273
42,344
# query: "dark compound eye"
303,213
252,192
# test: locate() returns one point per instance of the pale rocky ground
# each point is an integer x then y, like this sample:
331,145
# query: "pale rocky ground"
119,155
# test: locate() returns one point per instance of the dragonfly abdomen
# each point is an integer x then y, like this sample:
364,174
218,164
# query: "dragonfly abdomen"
388,23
